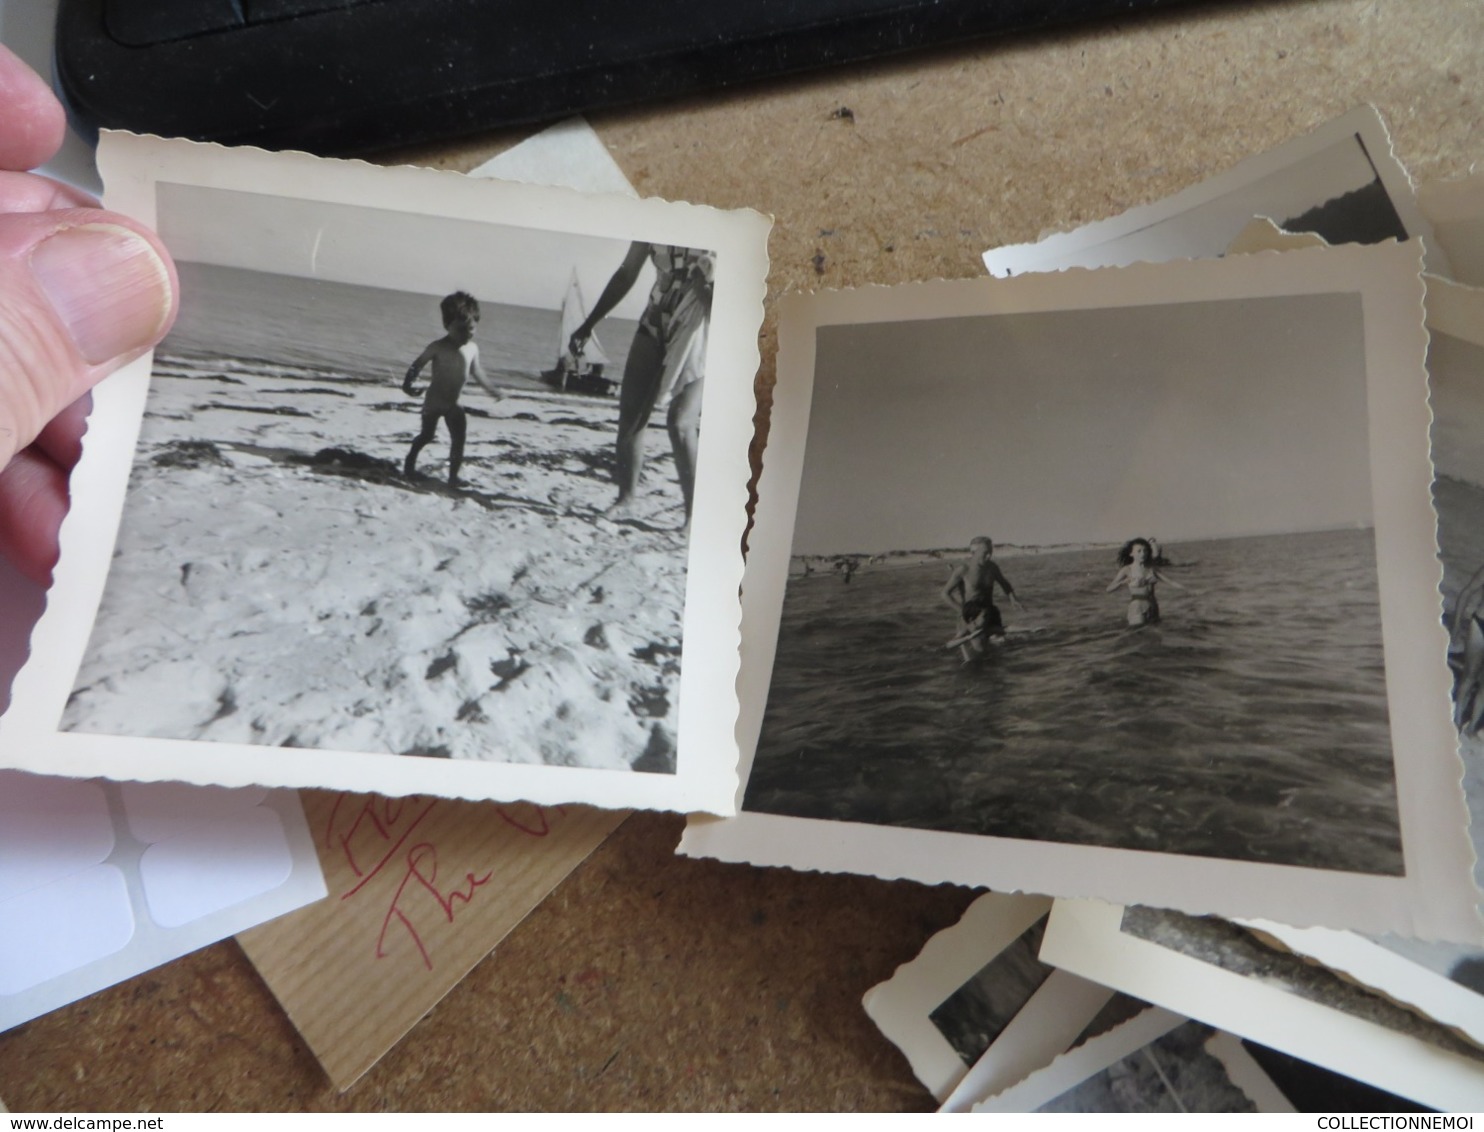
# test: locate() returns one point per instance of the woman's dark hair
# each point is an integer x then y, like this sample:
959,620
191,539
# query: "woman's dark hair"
1126,555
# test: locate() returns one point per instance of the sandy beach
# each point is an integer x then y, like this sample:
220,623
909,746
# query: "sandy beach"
278,582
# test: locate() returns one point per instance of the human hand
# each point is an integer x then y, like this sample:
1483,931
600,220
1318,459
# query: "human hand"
82,292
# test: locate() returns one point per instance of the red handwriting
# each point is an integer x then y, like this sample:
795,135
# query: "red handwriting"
422,872
369,835
532,829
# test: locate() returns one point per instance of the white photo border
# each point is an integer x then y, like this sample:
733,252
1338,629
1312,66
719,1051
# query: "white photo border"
1085,936
1044,1029
1071,1068
1135,230
902,1006
1376,966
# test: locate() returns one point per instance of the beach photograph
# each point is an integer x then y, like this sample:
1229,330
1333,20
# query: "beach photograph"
1102,577
384,509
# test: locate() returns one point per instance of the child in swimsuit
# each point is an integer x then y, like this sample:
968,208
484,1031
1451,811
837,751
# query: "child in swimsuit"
970,590
455,358
1137,572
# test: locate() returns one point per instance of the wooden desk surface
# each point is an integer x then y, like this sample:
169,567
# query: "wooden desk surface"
652,982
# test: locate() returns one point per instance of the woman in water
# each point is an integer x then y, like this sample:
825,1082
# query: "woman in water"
1136,571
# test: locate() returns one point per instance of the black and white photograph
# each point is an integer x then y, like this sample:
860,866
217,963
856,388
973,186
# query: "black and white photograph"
1228,977
1063,1014
1122,560
973,1016
419,474
1174,1073
1118,1045
1138,639
945,1007
1341,182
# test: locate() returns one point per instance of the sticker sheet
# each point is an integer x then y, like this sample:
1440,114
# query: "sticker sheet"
1204,664
374,516
100,881
1223,975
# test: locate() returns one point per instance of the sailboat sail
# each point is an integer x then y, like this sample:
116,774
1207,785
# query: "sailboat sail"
574,310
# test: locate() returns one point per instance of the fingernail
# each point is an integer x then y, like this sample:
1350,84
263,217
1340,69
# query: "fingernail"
107,284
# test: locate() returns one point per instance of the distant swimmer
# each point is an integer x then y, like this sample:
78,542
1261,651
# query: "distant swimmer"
970,590
1137,572
847,567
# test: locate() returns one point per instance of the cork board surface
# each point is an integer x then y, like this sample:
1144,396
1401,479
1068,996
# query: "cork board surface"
652,982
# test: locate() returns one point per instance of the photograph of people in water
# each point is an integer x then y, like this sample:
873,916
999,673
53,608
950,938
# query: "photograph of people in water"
1114,584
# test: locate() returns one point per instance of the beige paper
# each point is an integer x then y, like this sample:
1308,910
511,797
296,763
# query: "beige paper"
421,889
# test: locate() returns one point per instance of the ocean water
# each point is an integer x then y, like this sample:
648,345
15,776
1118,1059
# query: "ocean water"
358,333
1249,724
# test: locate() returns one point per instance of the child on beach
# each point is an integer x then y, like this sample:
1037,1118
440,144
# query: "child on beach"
455,359
1137,572
970,590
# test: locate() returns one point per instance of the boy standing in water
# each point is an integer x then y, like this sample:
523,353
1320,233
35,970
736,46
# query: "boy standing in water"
455,359
970,590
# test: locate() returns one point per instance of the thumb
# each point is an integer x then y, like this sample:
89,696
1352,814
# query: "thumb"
82,291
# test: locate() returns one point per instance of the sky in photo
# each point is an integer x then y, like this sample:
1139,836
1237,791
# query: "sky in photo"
1184,421
399,251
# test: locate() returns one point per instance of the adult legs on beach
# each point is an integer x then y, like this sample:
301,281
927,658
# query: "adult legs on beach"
636,397
685,429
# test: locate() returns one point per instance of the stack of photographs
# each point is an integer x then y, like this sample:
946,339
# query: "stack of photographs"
1138,582
1115,578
